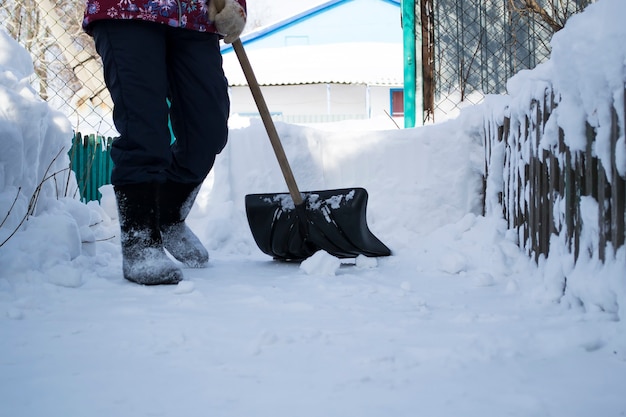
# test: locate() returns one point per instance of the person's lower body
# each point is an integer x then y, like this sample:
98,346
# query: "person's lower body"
156,181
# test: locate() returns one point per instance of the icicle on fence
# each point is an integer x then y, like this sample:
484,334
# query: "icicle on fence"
91,162
549,191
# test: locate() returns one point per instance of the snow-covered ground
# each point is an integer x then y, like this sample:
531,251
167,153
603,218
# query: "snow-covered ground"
458,322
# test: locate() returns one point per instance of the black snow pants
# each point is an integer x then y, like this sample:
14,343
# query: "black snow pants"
145,64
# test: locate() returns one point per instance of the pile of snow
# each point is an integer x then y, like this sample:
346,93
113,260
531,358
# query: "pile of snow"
457,322
42,226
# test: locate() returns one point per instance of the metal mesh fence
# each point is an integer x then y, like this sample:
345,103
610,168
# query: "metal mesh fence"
68,72
477,45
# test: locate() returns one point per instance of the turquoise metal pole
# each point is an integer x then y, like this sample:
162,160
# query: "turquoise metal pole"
408,29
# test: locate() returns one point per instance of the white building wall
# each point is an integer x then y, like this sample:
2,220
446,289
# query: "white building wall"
316,102
352,27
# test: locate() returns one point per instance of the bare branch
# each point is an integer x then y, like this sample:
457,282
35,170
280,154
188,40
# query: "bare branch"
530,7
554,17
33,198
12,205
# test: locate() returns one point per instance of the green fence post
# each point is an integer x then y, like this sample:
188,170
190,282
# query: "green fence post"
81,169
91,148
99,173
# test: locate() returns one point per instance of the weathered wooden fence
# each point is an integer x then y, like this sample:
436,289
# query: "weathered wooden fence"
547,186
91,162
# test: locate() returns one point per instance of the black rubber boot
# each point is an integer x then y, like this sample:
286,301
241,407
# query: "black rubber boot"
143,259
176,201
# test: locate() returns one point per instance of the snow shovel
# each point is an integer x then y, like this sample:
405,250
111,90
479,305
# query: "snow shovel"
293,226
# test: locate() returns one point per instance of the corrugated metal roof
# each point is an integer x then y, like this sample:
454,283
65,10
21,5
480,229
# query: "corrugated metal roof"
350,63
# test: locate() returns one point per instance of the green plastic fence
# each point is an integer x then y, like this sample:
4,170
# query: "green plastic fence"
91,162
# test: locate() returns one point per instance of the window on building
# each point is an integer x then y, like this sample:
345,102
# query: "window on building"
397,102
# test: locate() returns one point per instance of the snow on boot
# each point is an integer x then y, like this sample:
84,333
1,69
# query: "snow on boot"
143,259
176,200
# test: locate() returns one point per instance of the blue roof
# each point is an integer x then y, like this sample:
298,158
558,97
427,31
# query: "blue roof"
283,24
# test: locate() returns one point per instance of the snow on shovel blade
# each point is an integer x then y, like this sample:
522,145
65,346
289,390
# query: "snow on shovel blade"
330,220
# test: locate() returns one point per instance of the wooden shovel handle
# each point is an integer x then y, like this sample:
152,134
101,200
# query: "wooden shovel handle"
265,114
268,122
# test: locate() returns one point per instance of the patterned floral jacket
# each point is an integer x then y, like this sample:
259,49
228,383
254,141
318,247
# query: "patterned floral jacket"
190,14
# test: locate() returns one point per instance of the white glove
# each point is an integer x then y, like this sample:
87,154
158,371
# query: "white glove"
230,21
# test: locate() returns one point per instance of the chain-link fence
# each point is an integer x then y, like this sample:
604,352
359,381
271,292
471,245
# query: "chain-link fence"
472,47
68,72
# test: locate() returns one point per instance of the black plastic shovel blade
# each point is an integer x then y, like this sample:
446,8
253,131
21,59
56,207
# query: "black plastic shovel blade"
330,220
